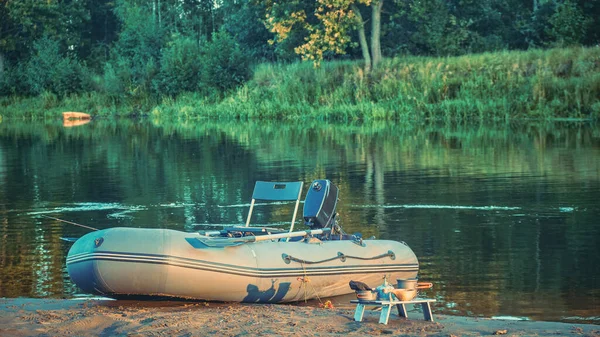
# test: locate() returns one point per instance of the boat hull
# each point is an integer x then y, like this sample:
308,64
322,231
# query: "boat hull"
120,262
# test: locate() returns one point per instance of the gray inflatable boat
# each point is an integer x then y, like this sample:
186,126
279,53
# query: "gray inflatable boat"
241,264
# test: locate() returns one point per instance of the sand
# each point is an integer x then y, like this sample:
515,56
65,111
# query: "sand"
49,317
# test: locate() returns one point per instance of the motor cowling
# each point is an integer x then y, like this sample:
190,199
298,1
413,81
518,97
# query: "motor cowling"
320,204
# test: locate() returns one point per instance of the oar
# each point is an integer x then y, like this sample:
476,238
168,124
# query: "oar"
226,242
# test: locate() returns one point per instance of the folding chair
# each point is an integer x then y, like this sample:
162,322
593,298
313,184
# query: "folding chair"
276,191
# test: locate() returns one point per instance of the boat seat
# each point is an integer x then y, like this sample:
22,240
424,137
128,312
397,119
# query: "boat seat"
276,191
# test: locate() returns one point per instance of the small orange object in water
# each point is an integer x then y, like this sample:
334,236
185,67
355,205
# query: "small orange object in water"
424,285
76,115
68,123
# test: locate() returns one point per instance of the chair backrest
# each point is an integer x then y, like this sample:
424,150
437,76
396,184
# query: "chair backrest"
276,191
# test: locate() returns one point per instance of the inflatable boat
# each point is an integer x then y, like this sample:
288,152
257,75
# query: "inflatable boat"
241,263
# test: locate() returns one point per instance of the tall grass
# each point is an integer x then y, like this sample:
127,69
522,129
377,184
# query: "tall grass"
559,83
539,84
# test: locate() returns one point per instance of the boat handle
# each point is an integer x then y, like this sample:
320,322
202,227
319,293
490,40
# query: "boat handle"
424,285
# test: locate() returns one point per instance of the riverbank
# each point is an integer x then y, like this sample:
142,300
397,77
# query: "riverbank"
50,317
534,84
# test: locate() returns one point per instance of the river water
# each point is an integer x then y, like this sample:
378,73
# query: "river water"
504,218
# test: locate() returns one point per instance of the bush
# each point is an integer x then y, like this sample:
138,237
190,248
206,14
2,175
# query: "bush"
6,82
40,69
48,70
113,82
70,77
568,24
180,67
123,81
225,65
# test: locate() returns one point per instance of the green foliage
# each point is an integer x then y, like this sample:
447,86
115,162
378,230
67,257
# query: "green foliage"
8,81
180,67
48,70
437,27
558,83
288,33
244,24
225,65
145,53
435,16
567,24
71,77
25,22
499,86
116,77
557,24
137,51
591,10
40,70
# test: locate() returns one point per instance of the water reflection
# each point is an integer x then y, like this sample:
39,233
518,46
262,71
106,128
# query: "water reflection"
502,217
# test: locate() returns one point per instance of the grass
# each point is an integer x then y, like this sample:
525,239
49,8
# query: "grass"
537,84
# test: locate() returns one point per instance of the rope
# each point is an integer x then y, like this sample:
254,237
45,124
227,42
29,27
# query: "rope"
69,222
341,256
306,280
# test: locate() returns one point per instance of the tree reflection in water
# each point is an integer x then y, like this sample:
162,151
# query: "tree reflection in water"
503,217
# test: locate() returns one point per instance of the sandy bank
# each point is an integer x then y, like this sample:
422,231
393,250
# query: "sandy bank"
47,317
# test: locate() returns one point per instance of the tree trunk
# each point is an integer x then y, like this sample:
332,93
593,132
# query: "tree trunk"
159,15
362,39
536,5
212,15
1,64
376,32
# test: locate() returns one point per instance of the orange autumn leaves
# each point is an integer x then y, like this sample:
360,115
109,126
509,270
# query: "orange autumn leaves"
336,20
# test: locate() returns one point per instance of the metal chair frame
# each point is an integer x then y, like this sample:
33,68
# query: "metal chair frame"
276,191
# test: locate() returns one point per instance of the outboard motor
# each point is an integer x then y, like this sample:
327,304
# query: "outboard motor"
320,204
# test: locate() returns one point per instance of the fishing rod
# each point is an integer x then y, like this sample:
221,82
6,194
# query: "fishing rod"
69,222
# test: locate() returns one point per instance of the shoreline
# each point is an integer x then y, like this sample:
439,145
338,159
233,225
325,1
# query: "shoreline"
54,317
502,85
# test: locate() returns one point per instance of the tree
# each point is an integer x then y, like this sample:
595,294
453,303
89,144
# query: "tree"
438,29
26,21
225,65
180,67
329,27
136,53
50,70
200,18
568,24
103,31
288,22
244,21
6,30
